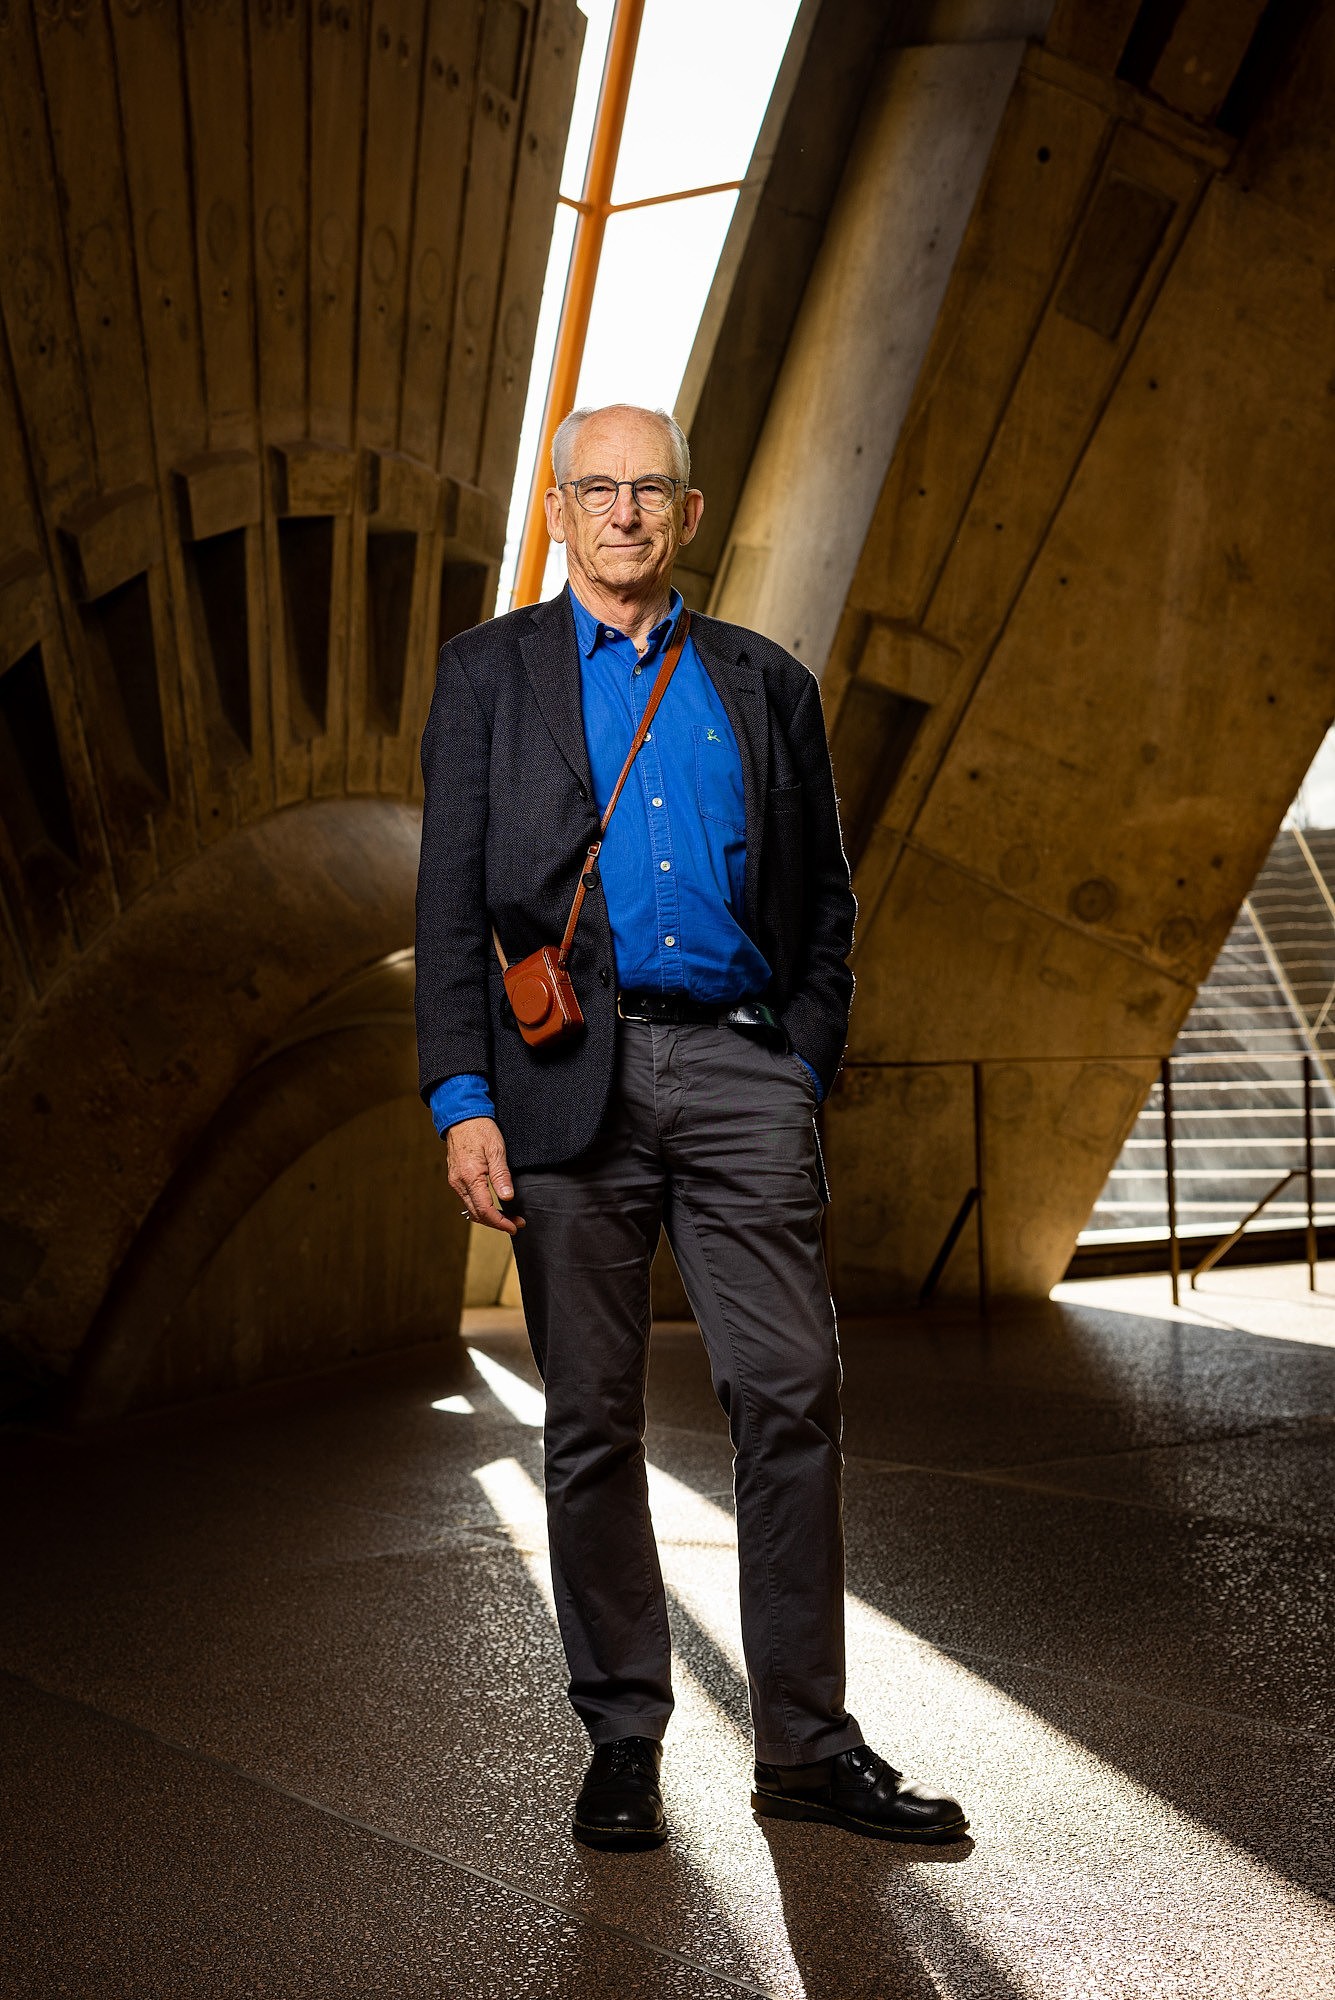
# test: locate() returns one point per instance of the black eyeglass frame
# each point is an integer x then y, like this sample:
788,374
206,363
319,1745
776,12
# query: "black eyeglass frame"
607,479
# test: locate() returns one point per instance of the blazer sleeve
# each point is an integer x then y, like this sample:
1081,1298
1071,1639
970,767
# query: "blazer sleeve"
816,1013
453,929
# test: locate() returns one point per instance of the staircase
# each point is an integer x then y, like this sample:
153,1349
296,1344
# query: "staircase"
1293,908
1237,1070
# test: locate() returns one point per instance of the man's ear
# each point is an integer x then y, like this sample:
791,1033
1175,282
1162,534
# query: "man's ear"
692,507
551,503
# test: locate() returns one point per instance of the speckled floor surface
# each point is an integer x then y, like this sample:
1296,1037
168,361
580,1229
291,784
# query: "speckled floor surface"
281,1705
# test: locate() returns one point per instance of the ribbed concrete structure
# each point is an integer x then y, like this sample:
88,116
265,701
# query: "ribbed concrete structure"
269,277
1017,383
1012,407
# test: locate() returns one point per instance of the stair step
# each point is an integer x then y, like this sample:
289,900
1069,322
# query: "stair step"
1238,1092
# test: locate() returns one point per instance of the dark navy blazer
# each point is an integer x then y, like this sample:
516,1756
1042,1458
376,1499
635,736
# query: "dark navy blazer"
509,811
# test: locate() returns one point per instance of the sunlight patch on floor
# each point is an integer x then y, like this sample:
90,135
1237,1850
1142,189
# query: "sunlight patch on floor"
1082,1874
1084,1883
1272,1300
709,1762
520,1398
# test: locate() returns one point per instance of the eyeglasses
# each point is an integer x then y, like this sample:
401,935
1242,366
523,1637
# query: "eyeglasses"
597,491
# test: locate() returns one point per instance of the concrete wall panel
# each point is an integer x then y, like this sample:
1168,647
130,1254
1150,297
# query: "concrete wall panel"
956,969
1048,148
131,1058
1150,706
1049,1129
1086,651
1039,1156
883,1231
347,1253
859,340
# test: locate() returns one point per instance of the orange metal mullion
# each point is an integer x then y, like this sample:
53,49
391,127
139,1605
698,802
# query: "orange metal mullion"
678,194
595,206
653,200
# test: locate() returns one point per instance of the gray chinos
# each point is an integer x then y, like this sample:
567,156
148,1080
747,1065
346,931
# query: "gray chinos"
710,1133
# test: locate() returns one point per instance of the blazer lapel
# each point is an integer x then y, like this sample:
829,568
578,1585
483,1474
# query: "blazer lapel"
551,660
741,689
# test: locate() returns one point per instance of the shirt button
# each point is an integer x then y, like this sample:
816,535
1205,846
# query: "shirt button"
608,633
665,865
669,940
658,802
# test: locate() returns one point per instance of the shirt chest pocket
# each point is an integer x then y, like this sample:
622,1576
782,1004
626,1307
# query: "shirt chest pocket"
718,778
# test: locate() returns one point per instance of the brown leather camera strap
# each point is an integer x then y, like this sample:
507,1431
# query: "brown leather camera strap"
586,875
656,693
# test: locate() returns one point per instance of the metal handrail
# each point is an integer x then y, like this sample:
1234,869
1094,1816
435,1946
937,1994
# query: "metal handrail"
948,1242
1170,1178
973,1202
1278,971
1212,1257
1307,1171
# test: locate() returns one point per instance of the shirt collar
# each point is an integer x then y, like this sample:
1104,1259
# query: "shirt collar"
590,633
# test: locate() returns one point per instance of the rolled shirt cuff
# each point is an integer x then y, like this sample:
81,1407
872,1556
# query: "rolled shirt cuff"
820,1093
460,1097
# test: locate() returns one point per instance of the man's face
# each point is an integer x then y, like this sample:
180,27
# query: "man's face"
629,551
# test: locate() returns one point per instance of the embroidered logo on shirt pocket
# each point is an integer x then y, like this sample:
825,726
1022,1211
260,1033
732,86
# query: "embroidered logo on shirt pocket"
718,779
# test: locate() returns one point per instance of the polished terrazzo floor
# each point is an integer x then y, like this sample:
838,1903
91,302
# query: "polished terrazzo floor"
281,1697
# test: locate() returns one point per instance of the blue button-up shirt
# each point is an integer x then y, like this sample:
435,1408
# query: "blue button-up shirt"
673,861
674,857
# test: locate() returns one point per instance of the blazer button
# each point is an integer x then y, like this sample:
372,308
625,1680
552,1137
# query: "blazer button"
582,792
603,974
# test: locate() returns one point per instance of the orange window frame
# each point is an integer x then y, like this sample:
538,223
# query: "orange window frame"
592,210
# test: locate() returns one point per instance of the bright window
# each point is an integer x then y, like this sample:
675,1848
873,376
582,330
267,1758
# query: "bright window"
704,71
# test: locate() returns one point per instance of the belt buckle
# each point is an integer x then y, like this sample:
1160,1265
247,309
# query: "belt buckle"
755,1018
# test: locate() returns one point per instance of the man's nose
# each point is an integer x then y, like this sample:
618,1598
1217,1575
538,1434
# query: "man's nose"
625,514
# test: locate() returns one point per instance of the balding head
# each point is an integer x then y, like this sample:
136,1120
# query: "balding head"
678,458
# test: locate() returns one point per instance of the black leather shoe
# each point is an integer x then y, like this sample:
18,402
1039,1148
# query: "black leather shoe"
858,1790
620,1805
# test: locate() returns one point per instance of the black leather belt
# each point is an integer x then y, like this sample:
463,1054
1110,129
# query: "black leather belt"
751,1016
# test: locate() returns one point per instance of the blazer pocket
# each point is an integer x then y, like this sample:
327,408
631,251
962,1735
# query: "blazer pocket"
783,798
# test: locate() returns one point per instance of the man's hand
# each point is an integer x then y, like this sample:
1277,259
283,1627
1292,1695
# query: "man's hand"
477,1169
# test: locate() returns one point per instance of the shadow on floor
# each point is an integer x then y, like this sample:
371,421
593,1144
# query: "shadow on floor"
1102,1527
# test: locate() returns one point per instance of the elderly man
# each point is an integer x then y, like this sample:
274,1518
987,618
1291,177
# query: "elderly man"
709,965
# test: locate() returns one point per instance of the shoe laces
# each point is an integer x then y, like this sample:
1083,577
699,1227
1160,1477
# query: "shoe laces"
629,1753
865,1761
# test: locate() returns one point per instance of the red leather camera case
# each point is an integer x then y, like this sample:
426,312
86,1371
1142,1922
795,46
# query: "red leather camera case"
542,998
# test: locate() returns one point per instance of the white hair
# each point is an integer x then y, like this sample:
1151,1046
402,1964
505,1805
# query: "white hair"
563,444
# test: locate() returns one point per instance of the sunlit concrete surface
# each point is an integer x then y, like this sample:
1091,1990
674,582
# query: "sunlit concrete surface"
1273,1299
283,1711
